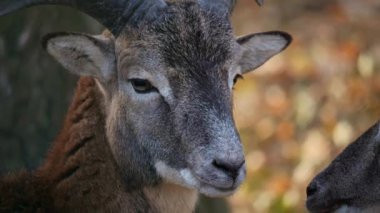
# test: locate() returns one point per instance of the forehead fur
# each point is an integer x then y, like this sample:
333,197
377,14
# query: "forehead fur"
192,46
191,38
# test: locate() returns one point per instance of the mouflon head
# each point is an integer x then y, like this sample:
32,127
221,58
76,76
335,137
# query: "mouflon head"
166,70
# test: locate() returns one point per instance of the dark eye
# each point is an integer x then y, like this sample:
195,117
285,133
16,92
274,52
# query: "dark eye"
142,86
237,77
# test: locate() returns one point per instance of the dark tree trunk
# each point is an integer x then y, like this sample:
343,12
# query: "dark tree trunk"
34,90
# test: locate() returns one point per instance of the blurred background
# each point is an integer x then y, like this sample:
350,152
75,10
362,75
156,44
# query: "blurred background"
294,114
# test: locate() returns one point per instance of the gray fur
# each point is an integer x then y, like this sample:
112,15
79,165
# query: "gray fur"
351,183
183,132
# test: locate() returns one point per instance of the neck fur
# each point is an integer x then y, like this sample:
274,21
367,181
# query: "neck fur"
168,197
83,173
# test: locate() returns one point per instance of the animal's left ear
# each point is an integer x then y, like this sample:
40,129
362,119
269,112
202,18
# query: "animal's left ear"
83,54
258,48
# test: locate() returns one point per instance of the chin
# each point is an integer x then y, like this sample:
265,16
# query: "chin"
186,178
211,191
351,209
347,209
344,208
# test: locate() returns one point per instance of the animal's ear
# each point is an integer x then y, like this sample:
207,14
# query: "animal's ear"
258,48
83,54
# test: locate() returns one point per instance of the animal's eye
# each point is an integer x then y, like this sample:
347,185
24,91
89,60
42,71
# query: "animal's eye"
142,86
237,77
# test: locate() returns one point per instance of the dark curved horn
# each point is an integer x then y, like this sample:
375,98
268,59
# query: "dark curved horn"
223,5
218,5
113,14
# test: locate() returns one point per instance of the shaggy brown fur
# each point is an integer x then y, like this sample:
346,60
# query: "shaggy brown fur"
79,174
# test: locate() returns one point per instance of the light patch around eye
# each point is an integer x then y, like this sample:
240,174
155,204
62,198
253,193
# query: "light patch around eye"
165,88
157,80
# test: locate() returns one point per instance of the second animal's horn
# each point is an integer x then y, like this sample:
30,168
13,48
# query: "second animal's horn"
113,14
260,2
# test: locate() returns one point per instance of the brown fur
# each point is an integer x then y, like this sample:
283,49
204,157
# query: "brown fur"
80,174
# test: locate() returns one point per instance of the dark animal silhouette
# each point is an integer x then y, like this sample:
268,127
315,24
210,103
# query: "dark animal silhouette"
351,183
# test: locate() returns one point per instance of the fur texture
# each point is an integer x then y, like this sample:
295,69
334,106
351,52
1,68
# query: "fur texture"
130,147
351,182
80,173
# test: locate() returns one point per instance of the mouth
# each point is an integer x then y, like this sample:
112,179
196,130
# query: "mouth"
205,183
216,189
213,191
210,188
327,207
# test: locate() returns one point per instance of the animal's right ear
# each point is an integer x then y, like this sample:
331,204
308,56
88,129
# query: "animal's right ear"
83,54
259,47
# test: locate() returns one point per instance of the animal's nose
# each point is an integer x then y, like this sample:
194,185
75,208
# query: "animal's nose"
228,166
312,189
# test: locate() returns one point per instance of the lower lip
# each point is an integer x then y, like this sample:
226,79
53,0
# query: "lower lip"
227,189
218,188
215,192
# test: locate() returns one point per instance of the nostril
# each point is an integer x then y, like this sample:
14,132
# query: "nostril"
312,189
231,168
